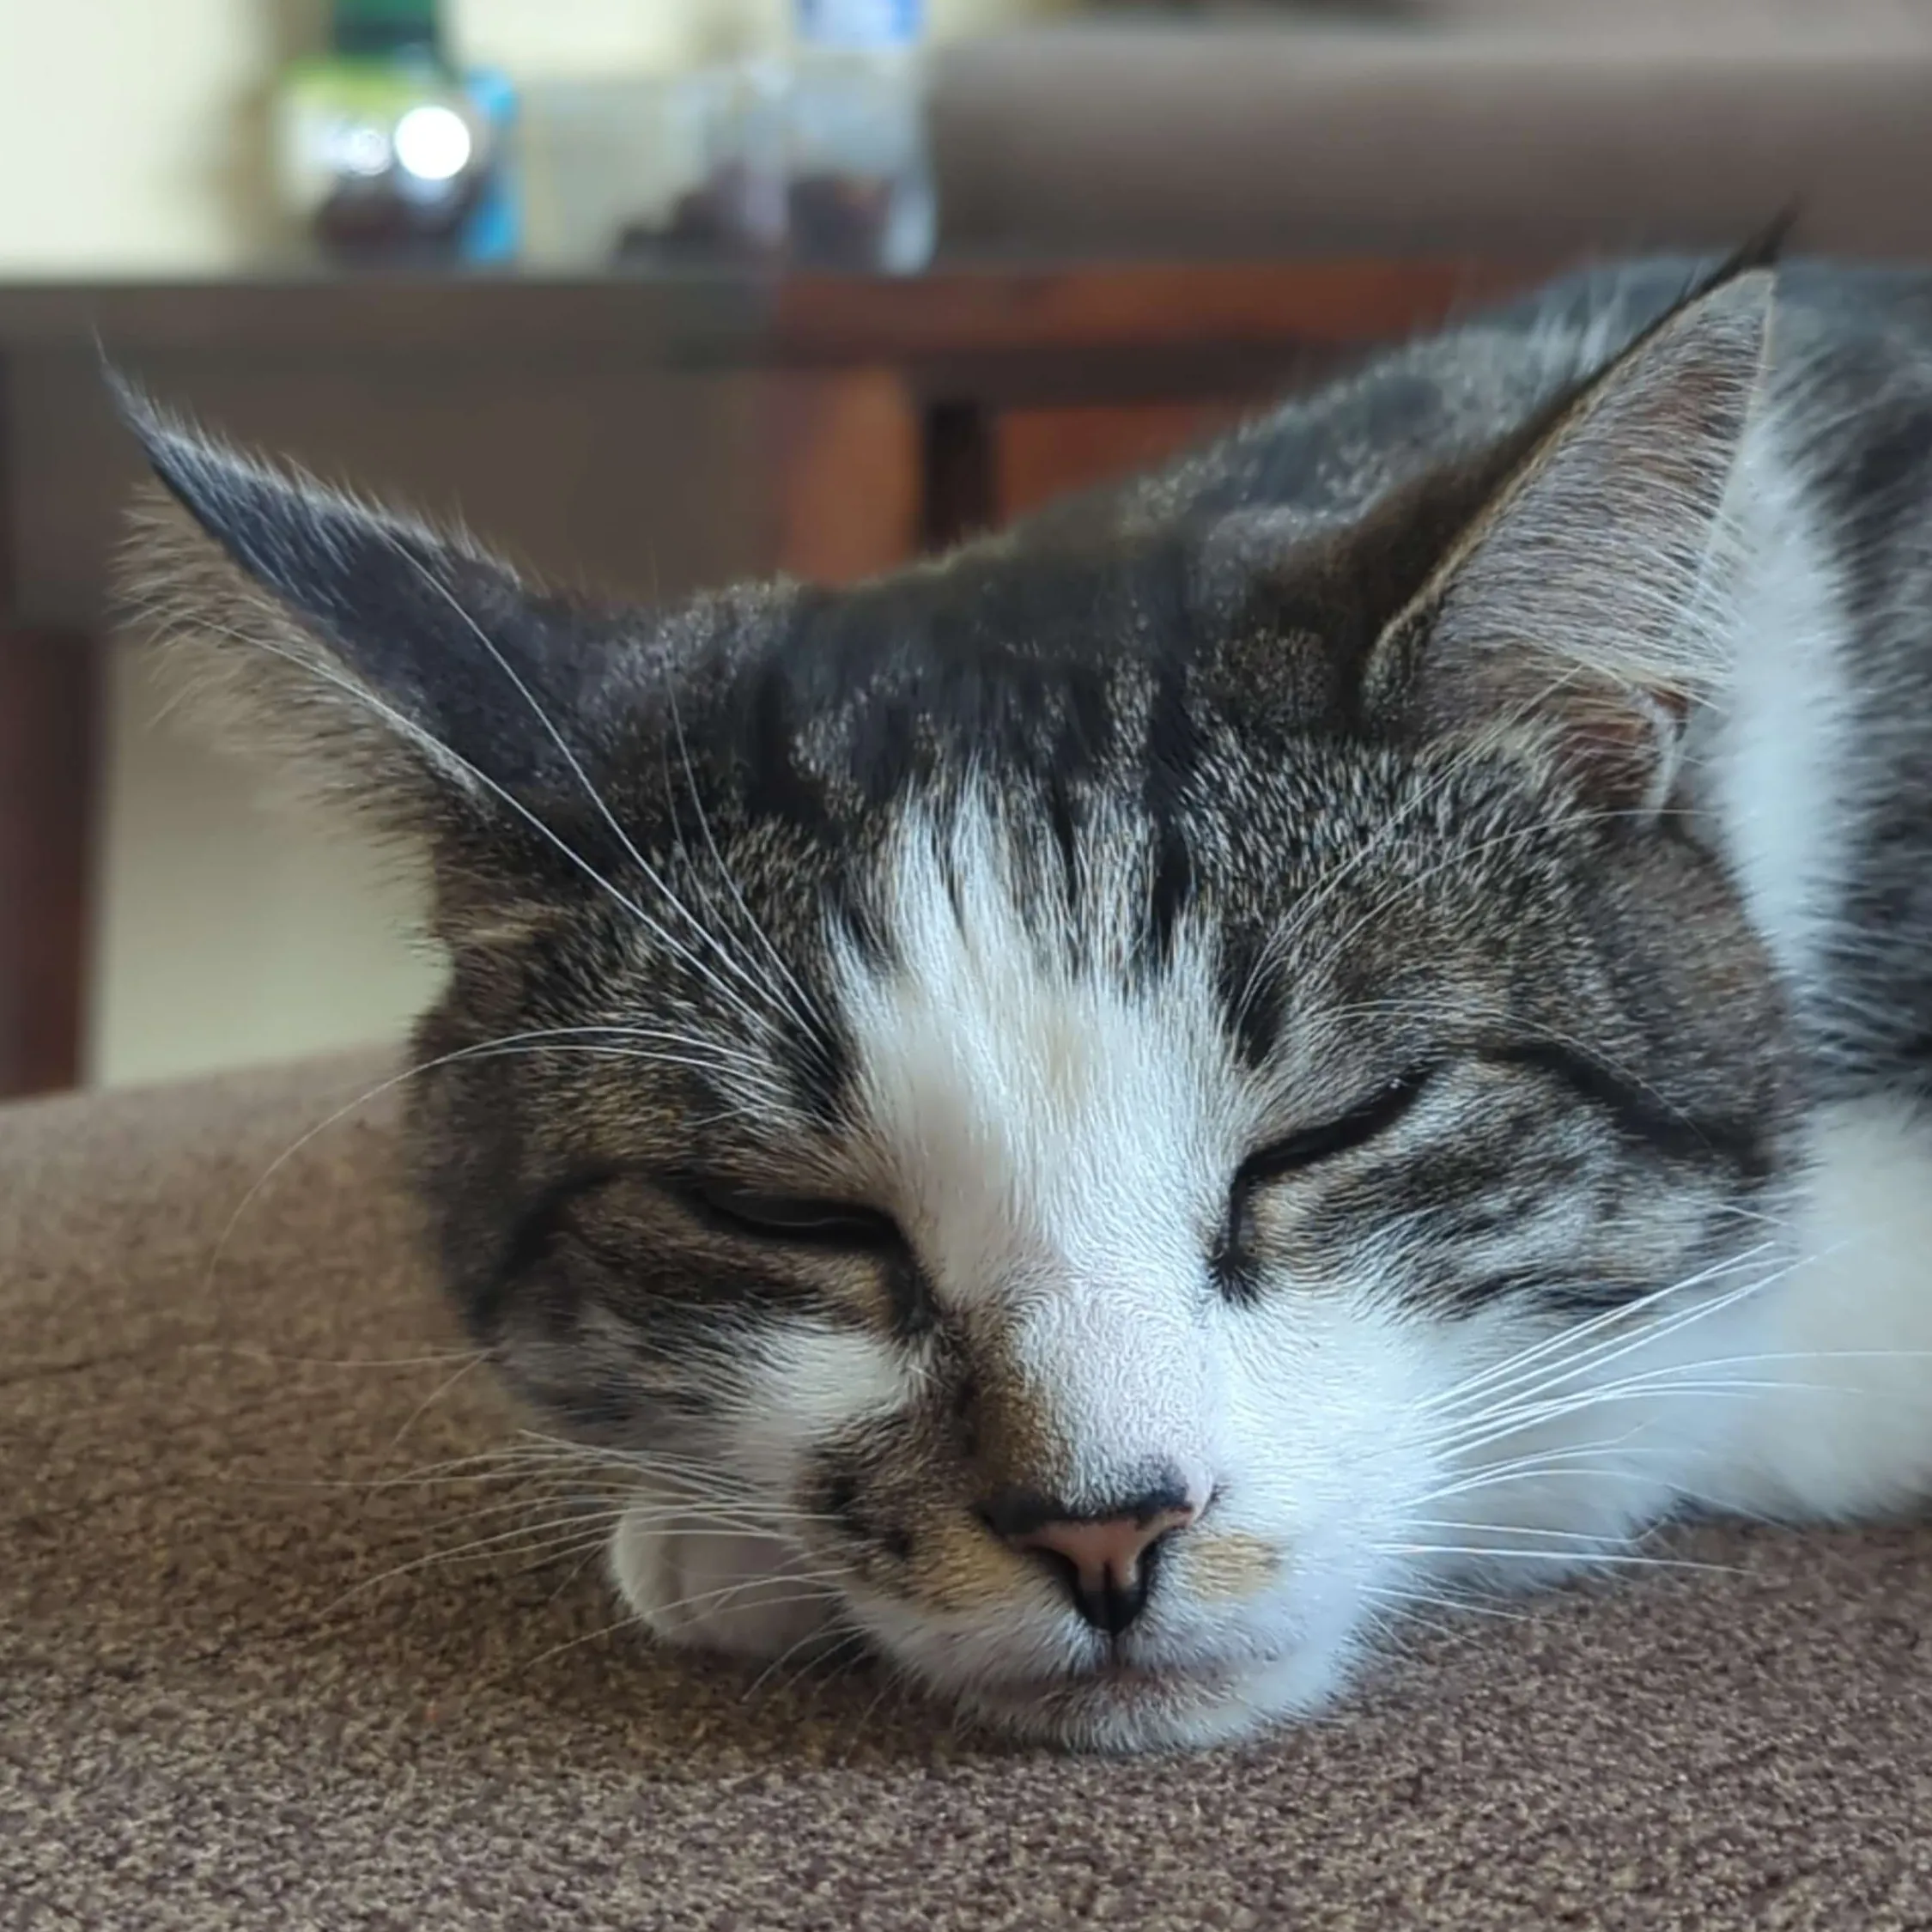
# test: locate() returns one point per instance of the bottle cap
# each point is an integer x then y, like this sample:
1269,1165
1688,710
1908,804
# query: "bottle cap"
386,28
860,23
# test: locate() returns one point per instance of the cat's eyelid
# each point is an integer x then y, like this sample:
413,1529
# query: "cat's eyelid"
1354,1127
808,1220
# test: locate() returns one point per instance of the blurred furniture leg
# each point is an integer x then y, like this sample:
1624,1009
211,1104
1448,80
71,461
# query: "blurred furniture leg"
47,726
1040,453
850,495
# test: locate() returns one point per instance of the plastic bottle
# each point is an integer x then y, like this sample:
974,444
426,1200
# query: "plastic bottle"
385,153
859,182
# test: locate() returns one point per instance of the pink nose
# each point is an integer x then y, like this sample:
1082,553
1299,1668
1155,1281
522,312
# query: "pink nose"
1105,1563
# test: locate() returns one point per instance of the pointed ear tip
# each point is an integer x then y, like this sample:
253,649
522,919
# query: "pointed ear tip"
134,403
1744,302
199,470
164,437
1756,282
137,411
1765,249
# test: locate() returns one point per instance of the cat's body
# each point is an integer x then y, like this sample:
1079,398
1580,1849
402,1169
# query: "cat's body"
1344,1023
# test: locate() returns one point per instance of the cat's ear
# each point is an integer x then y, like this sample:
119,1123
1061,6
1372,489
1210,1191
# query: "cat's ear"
404,673
1588,597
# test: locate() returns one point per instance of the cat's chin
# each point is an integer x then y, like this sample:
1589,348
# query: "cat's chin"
1173,1708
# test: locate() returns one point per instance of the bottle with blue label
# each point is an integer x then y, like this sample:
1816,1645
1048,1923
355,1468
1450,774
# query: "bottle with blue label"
386,153
859,183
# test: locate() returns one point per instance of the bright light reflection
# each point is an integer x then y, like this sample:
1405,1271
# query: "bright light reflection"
434,143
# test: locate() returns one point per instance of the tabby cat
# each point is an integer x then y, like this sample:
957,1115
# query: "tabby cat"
1344,1025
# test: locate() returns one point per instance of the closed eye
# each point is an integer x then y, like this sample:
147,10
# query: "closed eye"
800,1219
1231,1261
1360,1125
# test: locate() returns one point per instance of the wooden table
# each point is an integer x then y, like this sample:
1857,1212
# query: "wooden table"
859,421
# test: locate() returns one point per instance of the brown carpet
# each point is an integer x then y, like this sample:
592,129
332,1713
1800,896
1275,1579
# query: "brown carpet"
222,1702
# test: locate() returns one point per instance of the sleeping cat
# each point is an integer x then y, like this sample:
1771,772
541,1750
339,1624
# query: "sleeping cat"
1342,1025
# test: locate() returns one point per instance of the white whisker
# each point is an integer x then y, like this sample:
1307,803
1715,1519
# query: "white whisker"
1629,1559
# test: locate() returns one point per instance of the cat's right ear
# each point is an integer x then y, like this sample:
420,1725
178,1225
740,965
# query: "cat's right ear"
1591,596
404,674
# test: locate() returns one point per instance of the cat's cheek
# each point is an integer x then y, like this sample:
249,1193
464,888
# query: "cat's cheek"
716,1589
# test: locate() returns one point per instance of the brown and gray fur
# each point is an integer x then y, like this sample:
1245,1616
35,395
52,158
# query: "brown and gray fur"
1357,1008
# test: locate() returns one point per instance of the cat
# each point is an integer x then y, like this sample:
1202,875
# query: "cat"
1344,1025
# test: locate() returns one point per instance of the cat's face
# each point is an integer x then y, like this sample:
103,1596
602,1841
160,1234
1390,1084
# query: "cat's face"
1106,1134
912,1188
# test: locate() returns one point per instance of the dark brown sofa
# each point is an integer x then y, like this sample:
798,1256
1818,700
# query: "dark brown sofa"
1536,128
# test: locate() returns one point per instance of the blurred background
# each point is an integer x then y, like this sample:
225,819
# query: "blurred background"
661,292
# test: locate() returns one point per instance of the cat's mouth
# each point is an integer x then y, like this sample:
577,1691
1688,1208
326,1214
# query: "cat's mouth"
1114,1704
1120,1680
1121,1674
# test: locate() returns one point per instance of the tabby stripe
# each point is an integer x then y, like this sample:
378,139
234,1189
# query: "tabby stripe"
1641,1116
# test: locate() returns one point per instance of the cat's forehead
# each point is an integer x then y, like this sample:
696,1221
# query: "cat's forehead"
1202,894
1120,995
1015,1075
1033,664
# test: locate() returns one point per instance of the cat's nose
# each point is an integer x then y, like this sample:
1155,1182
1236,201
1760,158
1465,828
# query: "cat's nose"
1105,1558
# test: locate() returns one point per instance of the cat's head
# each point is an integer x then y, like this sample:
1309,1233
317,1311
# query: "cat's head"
1121,1105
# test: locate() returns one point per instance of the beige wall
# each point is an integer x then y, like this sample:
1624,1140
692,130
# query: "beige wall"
120,124
231,932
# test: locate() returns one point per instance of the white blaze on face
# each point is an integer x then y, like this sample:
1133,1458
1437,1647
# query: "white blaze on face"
1056,1135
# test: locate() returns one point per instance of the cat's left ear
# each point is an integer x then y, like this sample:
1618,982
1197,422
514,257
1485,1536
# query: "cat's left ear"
384,667
1588,600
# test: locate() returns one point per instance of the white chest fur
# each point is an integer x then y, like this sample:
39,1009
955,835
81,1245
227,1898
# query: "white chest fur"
1834,1418
1837,1419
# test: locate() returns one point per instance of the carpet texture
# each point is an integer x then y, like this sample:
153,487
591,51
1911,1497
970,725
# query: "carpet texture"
243,1682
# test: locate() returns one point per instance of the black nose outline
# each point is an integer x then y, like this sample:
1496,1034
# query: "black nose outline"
1019,1510
1113,1606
